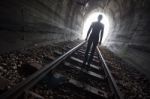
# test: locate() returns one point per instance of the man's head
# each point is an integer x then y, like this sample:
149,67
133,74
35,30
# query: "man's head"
100,17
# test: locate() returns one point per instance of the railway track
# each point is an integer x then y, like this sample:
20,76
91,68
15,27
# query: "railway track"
66,78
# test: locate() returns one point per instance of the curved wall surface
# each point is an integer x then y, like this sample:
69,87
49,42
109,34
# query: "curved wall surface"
25,23
129,35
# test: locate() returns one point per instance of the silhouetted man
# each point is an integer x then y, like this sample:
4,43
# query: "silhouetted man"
96,32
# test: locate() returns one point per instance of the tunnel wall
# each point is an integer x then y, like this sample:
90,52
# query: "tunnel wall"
25,23
130,36
129,32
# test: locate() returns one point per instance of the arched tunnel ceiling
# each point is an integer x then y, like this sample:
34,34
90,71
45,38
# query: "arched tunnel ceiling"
129,33
26,23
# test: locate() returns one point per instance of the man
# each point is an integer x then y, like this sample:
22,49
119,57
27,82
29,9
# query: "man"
95,31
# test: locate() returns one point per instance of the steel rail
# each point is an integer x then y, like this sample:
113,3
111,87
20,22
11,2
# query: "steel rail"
37,76
111,79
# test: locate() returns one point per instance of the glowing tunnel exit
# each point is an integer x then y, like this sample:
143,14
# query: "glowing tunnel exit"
93,17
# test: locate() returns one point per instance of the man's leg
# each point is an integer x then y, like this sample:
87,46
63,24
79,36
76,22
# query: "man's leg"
92,52
87,51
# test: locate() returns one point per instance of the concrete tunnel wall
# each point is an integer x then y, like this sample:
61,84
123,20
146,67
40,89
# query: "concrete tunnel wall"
129,35
130,38
25,23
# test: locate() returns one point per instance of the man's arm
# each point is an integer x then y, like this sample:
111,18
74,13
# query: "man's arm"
89,31
102,31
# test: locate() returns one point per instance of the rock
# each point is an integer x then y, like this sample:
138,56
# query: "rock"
14,67
5,70
1,68
3,64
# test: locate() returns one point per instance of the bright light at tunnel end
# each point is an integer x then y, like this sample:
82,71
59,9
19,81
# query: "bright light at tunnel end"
92,18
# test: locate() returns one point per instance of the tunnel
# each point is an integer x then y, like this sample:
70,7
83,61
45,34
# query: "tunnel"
25,24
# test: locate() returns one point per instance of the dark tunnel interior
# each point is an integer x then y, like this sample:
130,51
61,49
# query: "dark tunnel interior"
29,23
